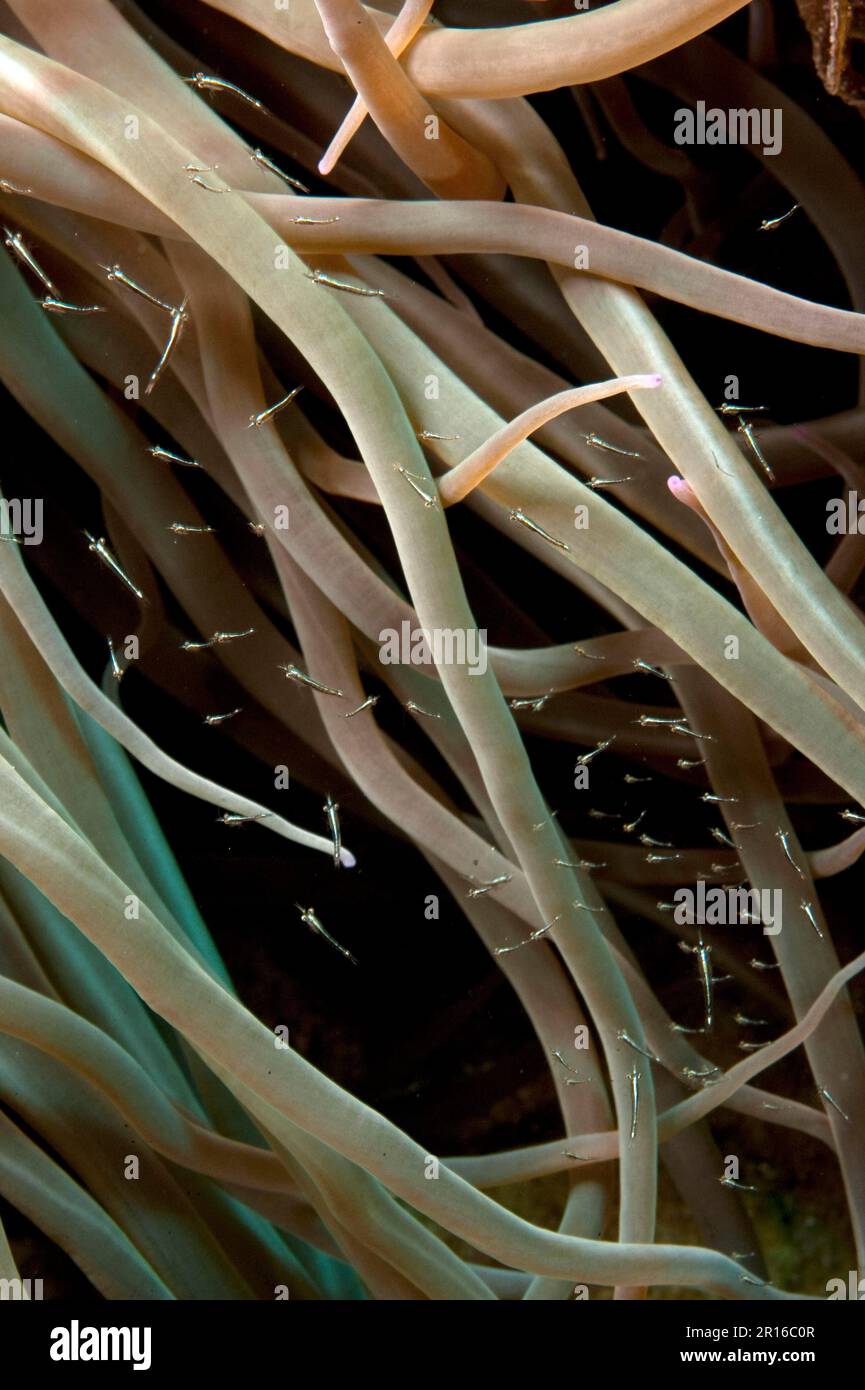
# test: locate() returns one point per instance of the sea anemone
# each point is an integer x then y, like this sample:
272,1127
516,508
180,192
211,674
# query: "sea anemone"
421,630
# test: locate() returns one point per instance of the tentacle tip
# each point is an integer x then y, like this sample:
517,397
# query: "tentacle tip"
347,859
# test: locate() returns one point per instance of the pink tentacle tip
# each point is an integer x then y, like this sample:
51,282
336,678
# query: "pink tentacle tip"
347,859
679,488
